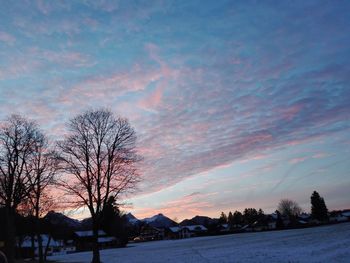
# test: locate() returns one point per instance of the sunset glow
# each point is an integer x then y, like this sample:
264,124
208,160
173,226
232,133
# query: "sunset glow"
234,104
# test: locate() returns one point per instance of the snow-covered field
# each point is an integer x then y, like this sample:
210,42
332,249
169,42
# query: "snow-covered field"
318,244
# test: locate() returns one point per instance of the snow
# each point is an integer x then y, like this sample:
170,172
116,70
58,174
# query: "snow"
27,241
153,218
175,229
89,233
318,244
196,228
105,239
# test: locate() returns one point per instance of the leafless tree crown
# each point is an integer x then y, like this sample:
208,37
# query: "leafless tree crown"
98,157
289,207
18,137
41,169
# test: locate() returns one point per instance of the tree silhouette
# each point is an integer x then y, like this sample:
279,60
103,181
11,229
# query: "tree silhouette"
289,208
98,155
319,209
237,218
40,169
230,218
114,222
250,215
17,139
223,218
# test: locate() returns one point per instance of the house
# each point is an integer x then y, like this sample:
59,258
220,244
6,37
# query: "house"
224,228
173,232
346,214
339,216
84,240
305,217
178,232
247,228
26,247
194,230
271,225
149,233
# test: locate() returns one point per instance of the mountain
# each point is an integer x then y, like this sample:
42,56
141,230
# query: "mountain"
159,221
199,220
132,219
86,223
60,219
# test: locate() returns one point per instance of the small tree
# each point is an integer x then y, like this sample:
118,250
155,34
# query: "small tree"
230,218
98,156
114,222
40,169
237,218
289,208
223,218
319,209
250,215
261,214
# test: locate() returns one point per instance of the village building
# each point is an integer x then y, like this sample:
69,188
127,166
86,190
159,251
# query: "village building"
149,233
84,240
29,246
194,230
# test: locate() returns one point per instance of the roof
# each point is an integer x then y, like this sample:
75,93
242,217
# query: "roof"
304,216
347,214
105,239
175,229
196,228
89,233
27,241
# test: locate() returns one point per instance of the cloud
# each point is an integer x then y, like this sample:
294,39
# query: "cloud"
7,38
203,89
297,160
188,205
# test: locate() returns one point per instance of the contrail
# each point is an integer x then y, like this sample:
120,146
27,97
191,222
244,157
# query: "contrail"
286,175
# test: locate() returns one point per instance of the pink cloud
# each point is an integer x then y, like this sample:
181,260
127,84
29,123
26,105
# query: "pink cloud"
153,100
297,160
290,112
181,208
7,38
320,155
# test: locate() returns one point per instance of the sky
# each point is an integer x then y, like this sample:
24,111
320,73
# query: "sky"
235,103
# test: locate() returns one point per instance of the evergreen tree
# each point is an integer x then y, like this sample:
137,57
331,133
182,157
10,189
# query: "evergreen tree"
237,218
250,215
319,209
113,222
223,218
230,218
261,214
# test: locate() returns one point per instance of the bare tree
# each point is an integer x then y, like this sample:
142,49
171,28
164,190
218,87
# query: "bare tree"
40,170
99,157
17,138
289,208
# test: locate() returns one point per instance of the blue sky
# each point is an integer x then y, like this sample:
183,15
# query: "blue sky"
235,103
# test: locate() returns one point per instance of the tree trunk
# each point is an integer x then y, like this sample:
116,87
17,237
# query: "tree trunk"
33,245
47,247
95,247
40,248
10,236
